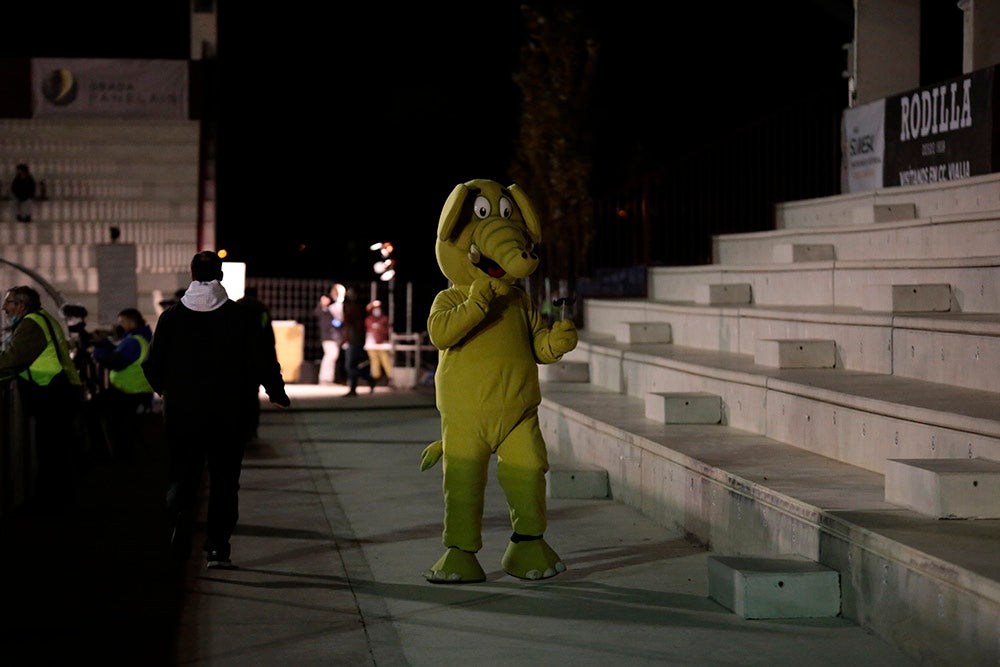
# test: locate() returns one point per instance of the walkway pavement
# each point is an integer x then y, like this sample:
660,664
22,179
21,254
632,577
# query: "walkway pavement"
337,524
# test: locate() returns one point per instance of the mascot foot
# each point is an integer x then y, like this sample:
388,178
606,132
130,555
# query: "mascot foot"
456,567
532,559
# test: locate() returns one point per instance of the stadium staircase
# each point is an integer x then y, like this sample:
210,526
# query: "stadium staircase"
139,176
825,391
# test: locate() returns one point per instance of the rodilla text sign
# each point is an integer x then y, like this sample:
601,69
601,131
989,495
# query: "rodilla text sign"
943,132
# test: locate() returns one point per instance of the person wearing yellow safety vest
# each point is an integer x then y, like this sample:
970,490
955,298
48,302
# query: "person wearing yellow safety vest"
129,393
38,356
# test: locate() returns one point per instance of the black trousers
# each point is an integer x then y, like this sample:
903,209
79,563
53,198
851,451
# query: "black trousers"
120,420
357,369
55,411
193,450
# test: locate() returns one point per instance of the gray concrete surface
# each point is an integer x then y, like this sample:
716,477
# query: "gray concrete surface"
338,522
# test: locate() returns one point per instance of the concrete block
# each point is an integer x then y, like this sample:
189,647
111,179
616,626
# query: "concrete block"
945,488
795,353
890,212
577,481
907,298
684,408
565,371
774,587
405,377
788,253
723,294
643,332
884,213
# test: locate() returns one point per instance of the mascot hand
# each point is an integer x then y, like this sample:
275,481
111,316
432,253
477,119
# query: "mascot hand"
484,289
431,454
562,338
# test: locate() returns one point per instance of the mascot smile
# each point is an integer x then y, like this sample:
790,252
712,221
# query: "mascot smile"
491,339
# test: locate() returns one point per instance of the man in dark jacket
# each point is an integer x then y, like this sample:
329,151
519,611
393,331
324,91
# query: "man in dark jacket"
261,314
208,359
356,360
22,190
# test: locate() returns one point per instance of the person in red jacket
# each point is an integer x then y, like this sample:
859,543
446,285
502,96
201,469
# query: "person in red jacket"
377,330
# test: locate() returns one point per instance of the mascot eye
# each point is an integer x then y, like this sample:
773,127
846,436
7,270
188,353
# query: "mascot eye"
506,208
482,207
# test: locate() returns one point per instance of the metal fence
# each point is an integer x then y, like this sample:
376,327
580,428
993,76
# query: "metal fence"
296,299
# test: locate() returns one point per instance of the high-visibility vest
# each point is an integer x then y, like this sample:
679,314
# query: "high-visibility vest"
52,359
131,379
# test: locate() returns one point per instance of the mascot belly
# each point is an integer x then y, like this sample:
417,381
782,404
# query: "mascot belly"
491,339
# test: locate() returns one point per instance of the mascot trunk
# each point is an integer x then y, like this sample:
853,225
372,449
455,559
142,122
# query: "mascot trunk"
490,340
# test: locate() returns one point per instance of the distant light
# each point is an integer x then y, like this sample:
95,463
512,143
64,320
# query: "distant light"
385,247
234,277
382,267
388,275
223,253
622,213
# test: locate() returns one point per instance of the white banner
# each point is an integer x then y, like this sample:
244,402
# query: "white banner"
105,88
863,147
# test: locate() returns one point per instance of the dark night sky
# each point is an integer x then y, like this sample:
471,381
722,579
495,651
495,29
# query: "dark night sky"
352,127
374,116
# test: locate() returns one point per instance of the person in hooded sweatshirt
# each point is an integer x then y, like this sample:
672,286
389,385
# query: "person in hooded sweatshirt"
129,394
208,359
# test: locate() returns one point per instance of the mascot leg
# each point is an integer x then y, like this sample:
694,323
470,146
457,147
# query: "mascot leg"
521,466
465,472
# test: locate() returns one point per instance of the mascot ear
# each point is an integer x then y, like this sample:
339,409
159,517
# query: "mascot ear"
527,212
452,209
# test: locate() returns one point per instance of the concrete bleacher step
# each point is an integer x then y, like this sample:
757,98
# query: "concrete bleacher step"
795,353
90,131
960,349
780,587
56,259
961,235
77,210
723,293
962,196
91,232
577,481
789,253
908,298
954,488
643,332
884,212
107,188
855,417
684,407
742,493
564,371
975,281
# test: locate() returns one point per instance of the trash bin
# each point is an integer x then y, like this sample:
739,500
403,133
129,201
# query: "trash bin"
406,350
289,343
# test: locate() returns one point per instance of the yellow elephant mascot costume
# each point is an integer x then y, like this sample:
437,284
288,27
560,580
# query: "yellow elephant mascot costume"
491,339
